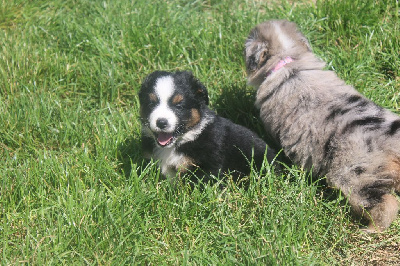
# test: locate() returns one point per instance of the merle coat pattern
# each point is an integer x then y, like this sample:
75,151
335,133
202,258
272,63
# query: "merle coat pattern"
324,125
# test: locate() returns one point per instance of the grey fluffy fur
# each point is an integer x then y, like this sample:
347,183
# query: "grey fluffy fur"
324,125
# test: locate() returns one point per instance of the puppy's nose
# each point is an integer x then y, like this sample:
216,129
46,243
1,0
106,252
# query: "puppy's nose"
162,123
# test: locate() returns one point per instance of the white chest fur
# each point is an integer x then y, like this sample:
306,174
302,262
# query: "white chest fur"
170,160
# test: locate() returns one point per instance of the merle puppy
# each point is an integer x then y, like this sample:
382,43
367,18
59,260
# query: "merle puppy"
324,125
184,135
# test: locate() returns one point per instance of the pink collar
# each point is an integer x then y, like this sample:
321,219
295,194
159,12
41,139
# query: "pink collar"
281,63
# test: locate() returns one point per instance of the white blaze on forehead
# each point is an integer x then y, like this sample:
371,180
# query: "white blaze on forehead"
164,89
284,40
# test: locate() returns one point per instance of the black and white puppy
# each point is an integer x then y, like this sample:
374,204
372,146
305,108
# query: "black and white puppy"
184,135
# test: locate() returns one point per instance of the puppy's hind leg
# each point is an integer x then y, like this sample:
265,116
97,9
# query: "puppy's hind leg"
368,182
385,211
375,203
370,198
383,214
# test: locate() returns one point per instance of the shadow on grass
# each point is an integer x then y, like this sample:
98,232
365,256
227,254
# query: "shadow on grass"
130,153
237,104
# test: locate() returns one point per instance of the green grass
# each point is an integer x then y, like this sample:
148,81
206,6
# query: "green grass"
74,186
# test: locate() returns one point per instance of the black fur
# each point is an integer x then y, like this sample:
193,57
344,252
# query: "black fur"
225,147
369,122
221,146
394,127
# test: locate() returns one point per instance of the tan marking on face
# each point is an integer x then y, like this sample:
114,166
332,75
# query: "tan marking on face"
177,99
195,118
153,97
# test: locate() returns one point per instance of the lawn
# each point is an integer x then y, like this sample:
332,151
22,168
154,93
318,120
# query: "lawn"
75,188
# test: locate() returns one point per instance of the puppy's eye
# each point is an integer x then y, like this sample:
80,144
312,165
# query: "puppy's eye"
179,105
152,104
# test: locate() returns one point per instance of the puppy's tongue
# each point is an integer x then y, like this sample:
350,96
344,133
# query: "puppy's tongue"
164,138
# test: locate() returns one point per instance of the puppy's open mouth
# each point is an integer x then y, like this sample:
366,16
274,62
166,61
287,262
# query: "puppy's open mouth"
164,138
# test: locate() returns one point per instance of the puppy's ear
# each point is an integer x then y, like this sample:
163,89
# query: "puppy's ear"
250,51
197,87
200,90
256,55
256,51
305,42
296,34
300,36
